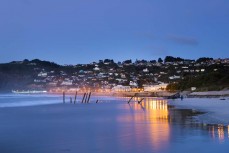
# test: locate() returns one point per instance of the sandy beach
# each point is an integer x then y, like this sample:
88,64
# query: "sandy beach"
209,94
216,110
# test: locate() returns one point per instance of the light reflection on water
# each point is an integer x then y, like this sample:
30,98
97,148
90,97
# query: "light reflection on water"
111,126
152,116
159,118
219,132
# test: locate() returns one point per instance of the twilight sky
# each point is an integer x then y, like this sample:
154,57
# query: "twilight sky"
83,31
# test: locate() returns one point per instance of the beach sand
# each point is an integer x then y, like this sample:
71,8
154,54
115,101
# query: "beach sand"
216,110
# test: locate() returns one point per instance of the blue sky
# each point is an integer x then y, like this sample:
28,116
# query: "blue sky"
83,31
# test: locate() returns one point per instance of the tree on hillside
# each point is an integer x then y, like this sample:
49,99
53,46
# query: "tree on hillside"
108,61
173,59
153,61
203,59
159,60
127,61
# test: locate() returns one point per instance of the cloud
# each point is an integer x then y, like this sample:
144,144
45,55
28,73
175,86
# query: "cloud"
183,40
156,50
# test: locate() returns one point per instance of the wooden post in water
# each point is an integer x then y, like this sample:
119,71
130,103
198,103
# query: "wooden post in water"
130,99
70,99
89,96
139,102
83,97
97,101
75,97
63,97
85,100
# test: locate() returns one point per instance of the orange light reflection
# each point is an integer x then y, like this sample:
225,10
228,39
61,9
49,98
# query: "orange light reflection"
151,115
221,132
228,130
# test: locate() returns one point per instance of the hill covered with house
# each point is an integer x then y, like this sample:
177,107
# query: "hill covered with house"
172,73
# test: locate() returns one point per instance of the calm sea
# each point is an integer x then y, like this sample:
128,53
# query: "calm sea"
109,126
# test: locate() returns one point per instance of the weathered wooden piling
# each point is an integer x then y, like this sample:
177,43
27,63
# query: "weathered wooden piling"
63,97
139,102
89,96
70,99
75,97
83,97
85,100
130,99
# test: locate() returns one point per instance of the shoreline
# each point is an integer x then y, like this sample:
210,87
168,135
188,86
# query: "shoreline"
209,94
215,111
161,94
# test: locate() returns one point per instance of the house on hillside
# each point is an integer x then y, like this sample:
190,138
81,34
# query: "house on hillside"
133,84
96,69
121,88
42,74
67,82
155,87
145,70
174,77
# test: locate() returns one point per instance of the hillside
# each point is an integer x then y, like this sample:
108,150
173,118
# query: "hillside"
180,74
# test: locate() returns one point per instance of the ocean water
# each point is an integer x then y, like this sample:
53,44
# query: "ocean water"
110,126
19,100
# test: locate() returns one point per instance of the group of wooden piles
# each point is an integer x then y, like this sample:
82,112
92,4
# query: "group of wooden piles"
87,96
85,99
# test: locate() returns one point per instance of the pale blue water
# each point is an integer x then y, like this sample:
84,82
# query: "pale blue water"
111,126
18,100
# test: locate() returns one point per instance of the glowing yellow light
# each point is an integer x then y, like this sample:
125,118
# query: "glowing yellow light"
220,132
228,130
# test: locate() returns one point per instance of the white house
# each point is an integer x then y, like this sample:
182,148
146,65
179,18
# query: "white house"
40,81
156,87
53,83
123,76
174,77
96,69
42,74
145,70
67,83
132,83
202,70
193,88
121,88
186,70
163,72
178,71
